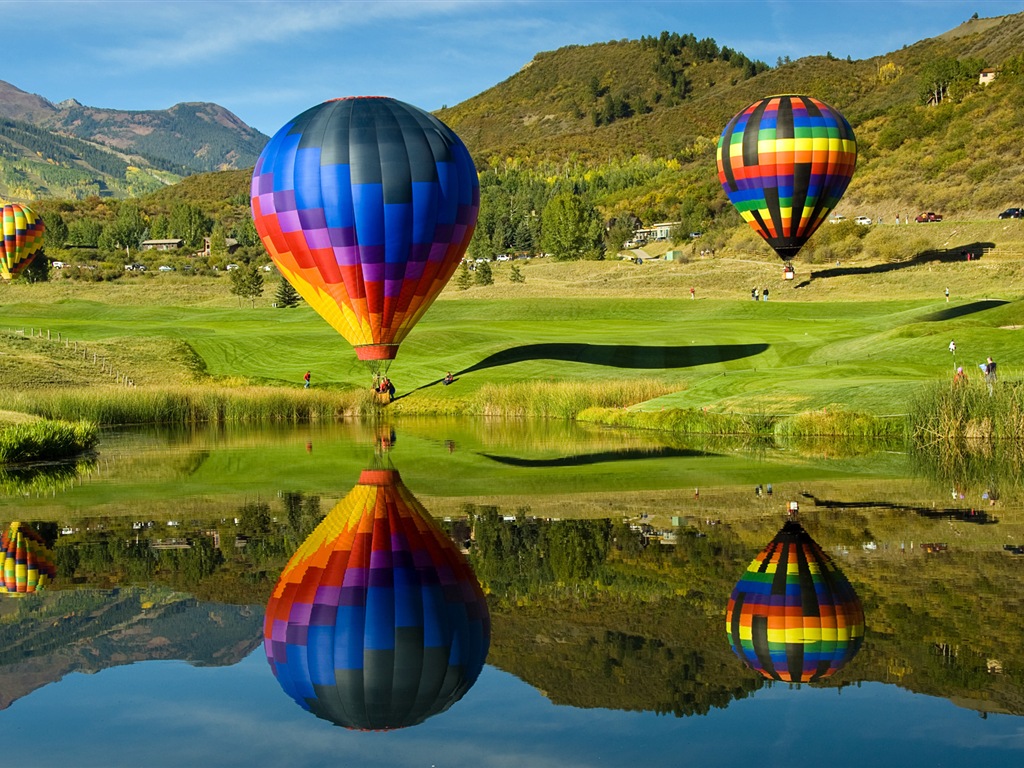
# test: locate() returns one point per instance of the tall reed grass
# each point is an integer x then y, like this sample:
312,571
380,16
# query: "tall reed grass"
839,422
194,404
811,426
684,420
944,413
561,399
967,436
46,440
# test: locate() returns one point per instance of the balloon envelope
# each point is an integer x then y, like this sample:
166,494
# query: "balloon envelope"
784,162
27,562
23,239
794,616
377,622
367,206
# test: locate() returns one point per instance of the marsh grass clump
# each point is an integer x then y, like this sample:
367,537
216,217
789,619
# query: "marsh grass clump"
46,440
839,422
561,399
194,404
685,420
947,414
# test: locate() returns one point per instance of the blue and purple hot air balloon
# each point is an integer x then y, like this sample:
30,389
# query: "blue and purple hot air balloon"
367,206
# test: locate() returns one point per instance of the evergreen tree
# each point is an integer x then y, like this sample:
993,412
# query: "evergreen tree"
516,275
286,295
463,280
572,228
39,270
484,276
56,233
247,283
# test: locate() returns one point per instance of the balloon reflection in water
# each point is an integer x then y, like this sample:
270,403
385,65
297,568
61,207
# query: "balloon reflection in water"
27,562
794,616
378,621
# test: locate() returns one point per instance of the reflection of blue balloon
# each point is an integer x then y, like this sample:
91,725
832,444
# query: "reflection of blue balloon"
377,622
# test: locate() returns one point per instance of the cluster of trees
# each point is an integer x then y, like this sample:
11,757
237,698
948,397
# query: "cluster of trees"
687,49
949,78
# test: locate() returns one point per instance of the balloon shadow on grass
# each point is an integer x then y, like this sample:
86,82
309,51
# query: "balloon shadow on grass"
627,356
932,256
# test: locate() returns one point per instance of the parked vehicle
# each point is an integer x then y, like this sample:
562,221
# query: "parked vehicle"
166,268
928,216
1011,213
862,220
836,219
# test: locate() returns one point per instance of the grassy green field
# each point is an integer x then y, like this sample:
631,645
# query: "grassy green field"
863,335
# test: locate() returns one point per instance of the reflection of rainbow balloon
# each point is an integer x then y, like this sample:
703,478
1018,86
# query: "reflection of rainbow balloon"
22,241
377,621
784,162
27,563
367,206
794,616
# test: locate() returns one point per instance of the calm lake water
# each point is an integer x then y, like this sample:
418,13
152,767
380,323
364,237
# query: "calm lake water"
608,561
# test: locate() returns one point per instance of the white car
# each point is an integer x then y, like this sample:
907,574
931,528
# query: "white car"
166,268
862,220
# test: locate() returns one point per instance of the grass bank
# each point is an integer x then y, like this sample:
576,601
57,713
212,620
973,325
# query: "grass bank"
861,339
192,404
45,440
808,427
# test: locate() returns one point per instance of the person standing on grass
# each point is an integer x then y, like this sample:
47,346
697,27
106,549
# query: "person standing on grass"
306,379
947,295
990,373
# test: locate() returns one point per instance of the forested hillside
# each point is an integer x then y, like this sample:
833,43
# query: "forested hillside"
597,139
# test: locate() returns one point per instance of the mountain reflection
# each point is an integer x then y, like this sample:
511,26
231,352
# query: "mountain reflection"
377,622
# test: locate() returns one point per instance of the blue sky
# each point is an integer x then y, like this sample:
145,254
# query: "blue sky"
269,61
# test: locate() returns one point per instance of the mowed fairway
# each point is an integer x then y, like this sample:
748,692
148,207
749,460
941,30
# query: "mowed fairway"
824,346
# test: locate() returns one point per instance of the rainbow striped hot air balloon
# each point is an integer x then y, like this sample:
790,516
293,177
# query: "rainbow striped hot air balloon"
784,162
27,562
366,205
794,616
377,622
23,239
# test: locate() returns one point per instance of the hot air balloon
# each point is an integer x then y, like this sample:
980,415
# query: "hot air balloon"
784,162
794,616
23,239
377,622
27,562
366,205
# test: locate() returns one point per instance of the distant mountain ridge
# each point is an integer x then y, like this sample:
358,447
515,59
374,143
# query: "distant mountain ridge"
91,630
72,150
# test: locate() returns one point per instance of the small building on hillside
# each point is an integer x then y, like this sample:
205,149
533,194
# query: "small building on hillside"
661,231
230,244
987,76
170,244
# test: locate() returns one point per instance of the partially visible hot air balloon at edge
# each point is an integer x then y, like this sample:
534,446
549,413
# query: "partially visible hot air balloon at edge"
377,622
366,205
794,616
27,564
23,239
784,162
